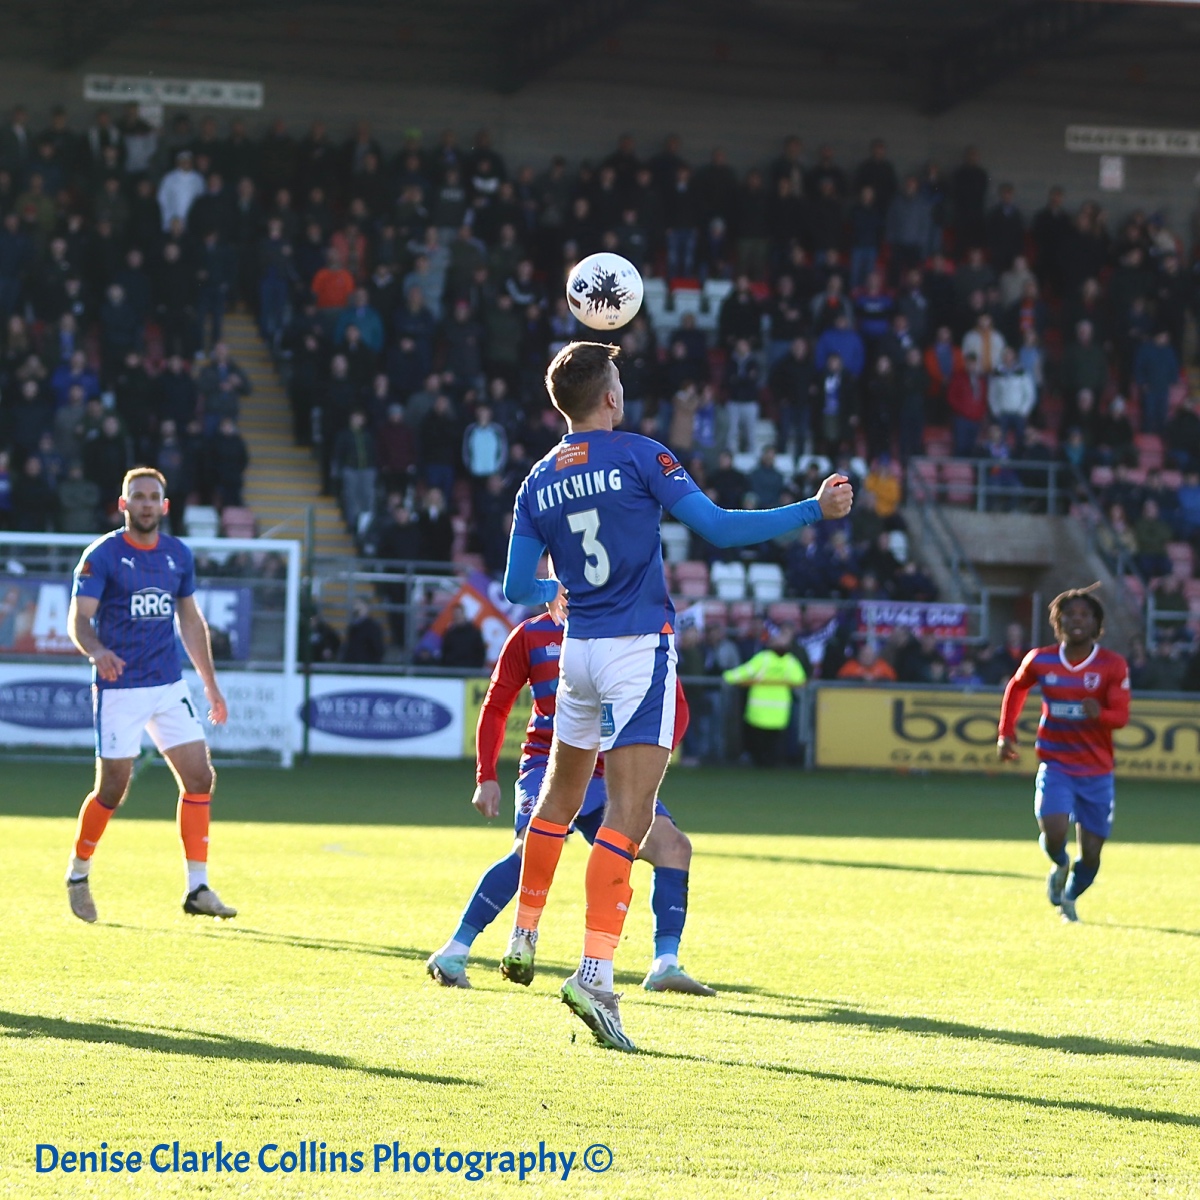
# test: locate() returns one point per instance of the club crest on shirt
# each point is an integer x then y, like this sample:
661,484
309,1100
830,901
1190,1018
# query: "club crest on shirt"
575,454
1052,678
1091,680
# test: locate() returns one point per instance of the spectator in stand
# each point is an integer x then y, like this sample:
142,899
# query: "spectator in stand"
485,446
1083,363
844,341
358,312
437,532
441,445
332,286
1011,398
397,449
942,359
766,482
355,467
462,642
885,485
78,502
1117,539
1004,230
1152,534
229,459
740,316
968,193
742,388
753,225
837,396
6,491
909,227
985,343
221,386
106,458
1181,436
793,383
867,667
34,505
866,234
1155,370
179,190
913,391
967,397
364,637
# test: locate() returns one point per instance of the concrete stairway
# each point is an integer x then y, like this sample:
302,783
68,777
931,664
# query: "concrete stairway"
283,479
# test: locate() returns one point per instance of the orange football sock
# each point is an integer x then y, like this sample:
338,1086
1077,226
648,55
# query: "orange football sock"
608,892
193,825
543,847
93,819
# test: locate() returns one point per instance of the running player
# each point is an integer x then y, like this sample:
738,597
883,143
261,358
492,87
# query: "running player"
595,502
530,655
131,586
1085,696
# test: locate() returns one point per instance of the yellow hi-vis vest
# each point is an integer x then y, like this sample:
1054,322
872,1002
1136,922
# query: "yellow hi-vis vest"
769,703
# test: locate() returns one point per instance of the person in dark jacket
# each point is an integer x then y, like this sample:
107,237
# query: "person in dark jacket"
462,642
364,637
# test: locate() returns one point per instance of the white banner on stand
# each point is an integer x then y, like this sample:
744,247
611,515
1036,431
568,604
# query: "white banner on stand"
394,716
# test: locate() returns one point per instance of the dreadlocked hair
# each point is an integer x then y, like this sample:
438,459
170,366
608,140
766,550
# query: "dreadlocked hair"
1064,598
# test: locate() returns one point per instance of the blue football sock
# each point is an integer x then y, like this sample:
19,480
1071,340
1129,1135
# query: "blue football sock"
493,893
1060,859
1080,879
668,901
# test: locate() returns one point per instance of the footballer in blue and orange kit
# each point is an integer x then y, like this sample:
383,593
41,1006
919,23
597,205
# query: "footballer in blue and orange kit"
1085,696
133,589
531,656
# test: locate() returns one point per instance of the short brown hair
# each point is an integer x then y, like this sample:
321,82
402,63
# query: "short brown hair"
578,376
138,472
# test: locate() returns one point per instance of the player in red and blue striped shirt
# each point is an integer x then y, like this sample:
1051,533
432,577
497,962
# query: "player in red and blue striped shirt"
530,655
1085,696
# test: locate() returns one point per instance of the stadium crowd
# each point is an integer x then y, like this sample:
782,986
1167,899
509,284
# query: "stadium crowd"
811,313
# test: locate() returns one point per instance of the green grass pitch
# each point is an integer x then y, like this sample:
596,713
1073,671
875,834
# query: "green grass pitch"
900,1012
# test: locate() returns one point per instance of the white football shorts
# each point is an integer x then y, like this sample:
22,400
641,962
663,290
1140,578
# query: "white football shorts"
616,692
166,712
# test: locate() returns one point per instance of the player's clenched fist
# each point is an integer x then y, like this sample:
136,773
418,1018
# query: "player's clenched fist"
835,496
487,799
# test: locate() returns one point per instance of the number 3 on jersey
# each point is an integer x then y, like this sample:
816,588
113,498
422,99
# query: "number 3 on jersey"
596,570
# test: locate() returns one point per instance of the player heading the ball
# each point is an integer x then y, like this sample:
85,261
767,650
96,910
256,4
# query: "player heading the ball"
131,587
595,502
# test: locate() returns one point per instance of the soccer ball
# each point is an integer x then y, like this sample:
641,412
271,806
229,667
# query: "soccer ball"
604,291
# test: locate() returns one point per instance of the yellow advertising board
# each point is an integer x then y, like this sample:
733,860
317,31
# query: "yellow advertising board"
926,730
474,691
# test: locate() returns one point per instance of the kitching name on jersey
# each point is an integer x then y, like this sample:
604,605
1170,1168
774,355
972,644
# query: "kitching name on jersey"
595,502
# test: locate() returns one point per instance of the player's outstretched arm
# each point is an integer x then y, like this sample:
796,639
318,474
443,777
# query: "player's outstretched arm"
724,527
193,631
1010,709
521,584
109,666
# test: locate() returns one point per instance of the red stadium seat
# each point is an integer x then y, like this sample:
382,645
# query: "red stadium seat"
1191,589
715,612
817,616
959,478
239,523
785,612
741,612
1102,476
1149,451
1182,558
1135,587
1172,480
1137,475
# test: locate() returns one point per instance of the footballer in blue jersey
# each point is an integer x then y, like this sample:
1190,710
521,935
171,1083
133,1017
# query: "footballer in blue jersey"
132,588
595,503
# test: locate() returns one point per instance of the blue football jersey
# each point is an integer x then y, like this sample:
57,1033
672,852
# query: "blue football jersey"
595,503
137,589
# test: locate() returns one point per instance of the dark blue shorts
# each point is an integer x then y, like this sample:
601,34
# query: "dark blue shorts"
591,815
1088,799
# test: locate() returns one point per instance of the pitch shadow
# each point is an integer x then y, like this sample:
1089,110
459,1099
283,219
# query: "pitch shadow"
1065,1043
792,860
1109,1110
1192,933
199,1044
